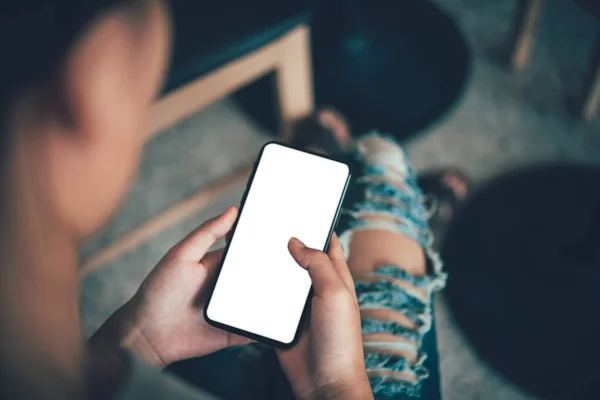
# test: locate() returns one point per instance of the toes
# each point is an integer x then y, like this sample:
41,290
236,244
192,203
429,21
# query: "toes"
336,123
457,183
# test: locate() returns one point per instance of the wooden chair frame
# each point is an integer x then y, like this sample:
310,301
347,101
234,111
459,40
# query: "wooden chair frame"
527,19
289,57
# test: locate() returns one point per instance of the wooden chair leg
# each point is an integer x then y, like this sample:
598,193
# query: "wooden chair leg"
591,99
209,88
528,15
294,80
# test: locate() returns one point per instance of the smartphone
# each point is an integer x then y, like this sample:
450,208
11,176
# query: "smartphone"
260,291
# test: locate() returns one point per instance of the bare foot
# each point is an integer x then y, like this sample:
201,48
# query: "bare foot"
337,124
326,131
447,189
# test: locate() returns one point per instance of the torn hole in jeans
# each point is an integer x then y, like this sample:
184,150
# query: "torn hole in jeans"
387,314
411,289
384,364
399,348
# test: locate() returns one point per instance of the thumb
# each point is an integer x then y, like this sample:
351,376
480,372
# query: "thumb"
324,277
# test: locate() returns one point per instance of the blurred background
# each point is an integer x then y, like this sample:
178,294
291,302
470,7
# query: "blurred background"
506,90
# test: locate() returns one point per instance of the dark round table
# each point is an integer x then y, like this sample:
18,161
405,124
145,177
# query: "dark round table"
524,278
392,65
397,66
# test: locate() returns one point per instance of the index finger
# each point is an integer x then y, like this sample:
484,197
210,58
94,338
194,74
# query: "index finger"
195,245
211,260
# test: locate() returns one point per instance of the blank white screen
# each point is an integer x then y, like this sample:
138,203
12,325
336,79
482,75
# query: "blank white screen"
261,289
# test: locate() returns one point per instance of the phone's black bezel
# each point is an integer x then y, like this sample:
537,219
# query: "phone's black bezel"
242,332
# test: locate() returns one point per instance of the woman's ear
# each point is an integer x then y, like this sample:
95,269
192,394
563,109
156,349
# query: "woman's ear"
113,72
89,120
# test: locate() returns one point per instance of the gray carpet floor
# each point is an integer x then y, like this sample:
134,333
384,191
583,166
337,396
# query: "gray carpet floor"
505,120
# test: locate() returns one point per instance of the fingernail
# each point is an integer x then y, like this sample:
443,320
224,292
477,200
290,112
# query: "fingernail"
296,242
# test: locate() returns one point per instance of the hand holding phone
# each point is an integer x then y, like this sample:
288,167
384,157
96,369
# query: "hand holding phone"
265,278
328,360
260,291
162,322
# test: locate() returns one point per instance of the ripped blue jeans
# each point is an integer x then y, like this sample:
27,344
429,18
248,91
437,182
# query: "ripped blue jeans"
382,195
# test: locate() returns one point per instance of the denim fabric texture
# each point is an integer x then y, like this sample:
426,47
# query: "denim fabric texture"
384,195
